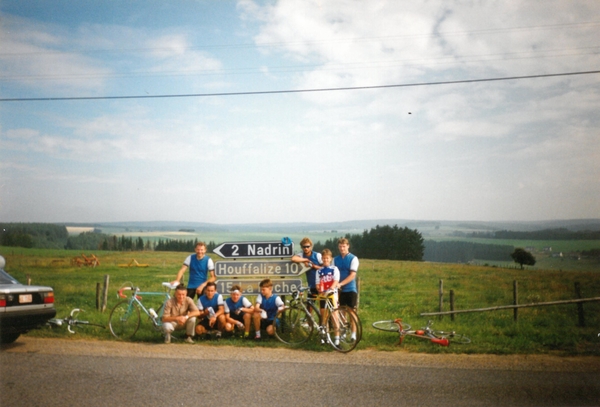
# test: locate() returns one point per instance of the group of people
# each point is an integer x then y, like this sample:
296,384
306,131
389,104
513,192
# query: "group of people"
211,315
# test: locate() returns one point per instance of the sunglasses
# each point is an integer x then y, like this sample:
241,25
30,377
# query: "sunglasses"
306,247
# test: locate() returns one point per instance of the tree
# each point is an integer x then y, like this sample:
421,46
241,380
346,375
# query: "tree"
523,257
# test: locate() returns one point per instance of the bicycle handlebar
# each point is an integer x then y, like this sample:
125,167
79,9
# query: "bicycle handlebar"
136,289
120,292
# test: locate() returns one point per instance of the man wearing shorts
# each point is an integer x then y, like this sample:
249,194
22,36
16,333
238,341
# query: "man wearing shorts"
238,311
212,311
266,308
311,259
347,263
202,270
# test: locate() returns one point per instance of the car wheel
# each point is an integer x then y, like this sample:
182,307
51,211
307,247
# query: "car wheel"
6,337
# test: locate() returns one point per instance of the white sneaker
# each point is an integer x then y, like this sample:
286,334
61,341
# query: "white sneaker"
336,342
189,340
167,338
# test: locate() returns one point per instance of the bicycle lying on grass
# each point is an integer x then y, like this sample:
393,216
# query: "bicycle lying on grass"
125,318
294,325
71,321
442,338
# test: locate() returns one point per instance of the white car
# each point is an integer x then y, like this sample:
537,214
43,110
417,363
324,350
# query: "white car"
22,307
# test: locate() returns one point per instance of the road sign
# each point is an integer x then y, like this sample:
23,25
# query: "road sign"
264,269
281,286
240,250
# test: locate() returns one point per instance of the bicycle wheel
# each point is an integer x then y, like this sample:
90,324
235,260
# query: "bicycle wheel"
358,321
124,320
342,331
293,326
452,337
390,326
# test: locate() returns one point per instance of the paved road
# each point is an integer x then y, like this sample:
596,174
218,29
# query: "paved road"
44,372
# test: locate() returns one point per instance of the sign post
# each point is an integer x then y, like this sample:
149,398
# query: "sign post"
250,272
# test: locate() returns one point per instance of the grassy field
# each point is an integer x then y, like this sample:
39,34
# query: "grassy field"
389,289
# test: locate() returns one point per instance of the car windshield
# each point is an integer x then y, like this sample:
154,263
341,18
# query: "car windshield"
5,278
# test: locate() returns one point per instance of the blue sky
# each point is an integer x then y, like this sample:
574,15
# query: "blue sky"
503,150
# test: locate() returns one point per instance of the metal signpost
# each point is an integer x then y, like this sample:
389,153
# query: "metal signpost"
249,273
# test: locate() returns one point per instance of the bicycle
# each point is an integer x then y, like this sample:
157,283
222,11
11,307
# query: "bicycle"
295,324
442,338
71,321
125,317
313,305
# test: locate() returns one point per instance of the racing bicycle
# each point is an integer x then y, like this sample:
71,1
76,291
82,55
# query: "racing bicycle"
125,317
295,324
442,338
71,321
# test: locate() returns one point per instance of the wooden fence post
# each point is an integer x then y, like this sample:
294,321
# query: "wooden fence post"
105,293
98,291
516,299
441,297
452,316
579,305
358,293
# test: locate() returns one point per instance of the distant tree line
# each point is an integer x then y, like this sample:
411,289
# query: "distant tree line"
39,235
175,245
463,252
545,234
382,242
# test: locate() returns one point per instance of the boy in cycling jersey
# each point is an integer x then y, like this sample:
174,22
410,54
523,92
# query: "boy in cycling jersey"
266,308
238,312
212,311
328,281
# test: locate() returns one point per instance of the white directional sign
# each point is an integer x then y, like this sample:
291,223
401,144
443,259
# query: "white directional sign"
238,250
265,269
281,286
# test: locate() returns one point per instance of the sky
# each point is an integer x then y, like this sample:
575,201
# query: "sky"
299,111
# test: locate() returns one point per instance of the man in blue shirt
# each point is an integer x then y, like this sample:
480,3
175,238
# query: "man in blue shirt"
212,311
347,263
238,311
266,308
311,259
202,270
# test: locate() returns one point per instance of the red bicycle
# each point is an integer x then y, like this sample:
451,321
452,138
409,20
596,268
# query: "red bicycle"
442,338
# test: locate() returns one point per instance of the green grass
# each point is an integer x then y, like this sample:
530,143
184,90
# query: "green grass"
389,289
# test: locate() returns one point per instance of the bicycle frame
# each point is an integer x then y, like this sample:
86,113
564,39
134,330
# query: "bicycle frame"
442,338
71,321
136,298
423,333
124,319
